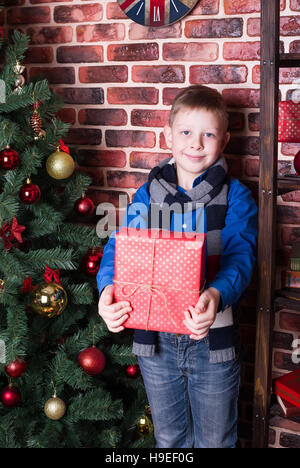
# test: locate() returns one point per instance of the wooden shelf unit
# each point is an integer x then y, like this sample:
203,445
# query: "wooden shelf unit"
269,186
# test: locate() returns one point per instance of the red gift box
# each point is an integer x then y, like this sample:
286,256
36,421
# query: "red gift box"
289,122
161,273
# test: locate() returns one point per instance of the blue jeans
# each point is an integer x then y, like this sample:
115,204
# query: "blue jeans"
193,403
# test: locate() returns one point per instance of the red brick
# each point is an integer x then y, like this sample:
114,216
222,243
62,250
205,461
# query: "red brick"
137,31
206,7
295,5
83,136
289,440
290,26
39,55
134,138
283,423
282,340
241,97
162,141
133,52
55,75
253,27
107,196
124,179
284,361
142,160
143,95
50,34
207,74
227,27
81,95
191,51
235,167
291,197
104,74
254,122
241,50
113,11
288,214
236,121
158,73
289,321
78,13
29,15
79,54
241,6
103,117
94,173
252,167
169,95
290,235
295,47
100,32
103,158
243,146
290,149
67,114
149,118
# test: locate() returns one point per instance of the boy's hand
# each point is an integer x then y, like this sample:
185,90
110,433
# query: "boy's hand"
200,318
113,314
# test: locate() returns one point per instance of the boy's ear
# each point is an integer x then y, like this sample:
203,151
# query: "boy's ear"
225,141
168,136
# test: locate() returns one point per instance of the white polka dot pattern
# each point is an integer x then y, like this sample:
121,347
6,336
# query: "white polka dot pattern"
289,122
159,277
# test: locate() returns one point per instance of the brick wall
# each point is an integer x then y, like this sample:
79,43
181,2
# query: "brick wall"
118,79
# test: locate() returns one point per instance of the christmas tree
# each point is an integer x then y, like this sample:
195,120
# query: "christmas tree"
65,381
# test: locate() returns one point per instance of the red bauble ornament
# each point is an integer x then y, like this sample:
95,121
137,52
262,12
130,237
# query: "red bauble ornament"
10,396
29,193
16,368
84,206
9,159
92,361
90,263
133,371
297,163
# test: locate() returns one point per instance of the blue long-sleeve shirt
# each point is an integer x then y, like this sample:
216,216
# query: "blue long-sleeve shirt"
239,241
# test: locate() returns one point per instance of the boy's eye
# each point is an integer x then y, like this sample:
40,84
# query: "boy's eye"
208,134
186,132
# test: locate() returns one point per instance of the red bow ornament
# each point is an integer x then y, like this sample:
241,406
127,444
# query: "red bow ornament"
51,275
63,147
27,285
9,233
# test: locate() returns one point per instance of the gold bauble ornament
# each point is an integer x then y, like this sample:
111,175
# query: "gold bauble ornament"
18,68
60,165
49,299
144,426
55,408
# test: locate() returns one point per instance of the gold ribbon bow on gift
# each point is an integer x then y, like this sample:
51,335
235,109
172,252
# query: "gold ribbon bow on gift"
153,289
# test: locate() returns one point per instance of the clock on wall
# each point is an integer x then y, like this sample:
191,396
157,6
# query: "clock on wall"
156,12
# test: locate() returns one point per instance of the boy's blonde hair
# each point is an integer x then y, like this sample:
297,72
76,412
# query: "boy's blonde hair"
200,97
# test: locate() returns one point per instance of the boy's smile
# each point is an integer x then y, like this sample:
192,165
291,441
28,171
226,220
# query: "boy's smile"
196,138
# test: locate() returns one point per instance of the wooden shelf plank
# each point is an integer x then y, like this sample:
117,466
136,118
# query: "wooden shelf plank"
288,297
289,60
288,184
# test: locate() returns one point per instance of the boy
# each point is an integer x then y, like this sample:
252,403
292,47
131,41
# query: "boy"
192,381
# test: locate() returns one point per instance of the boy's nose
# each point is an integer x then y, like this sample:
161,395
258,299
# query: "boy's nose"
197,143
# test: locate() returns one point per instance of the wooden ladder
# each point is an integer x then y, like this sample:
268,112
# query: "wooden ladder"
269,184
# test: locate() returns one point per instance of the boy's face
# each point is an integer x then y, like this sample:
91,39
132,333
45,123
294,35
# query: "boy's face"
196,138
